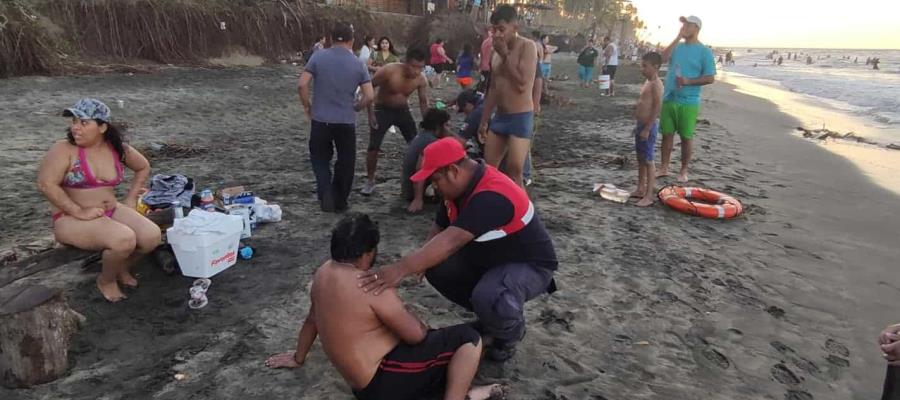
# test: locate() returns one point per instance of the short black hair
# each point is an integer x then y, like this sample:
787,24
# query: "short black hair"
434,119
439,41
415,54
504,13
653,58
342,32
353,236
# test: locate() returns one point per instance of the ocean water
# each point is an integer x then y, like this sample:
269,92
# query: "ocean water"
837,82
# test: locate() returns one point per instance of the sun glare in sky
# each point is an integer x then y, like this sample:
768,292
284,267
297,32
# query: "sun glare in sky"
860,24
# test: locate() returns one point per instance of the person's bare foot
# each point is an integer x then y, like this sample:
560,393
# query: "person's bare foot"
645,202
683,177
127,280
637,193
110,291
661,173
489,392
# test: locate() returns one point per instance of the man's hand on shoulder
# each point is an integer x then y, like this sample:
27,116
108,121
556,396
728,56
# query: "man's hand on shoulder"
377,281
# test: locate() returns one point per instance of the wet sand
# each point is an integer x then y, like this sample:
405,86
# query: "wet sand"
782,303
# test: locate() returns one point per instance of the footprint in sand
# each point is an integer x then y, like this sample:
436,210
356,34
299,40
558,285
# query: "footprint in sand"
839,353
782,374
707,354
802,363
837,348
797,395
776,311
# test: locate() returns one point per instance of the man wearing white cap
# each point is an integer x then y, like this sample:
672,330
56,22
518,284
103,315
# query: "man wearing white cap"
691,65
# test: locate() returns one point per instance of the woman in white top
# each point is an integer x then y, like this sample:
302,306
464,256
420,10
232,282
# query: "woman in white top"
365,52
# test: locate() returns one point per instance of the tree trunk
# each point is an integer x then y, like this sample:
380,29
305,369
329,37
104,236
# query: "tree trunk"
36,327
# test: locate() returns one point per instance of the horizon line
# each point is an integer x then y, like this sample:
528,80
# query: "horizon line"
804,48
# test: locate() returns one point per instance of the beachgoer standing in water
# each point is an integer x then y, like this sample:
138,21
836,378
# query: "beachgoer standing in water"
691,65
646,112
395,82
512,82
487,250
336,74
380,349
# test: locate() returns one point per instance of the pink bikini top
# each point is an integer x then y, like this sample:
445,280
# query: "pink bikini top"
81,177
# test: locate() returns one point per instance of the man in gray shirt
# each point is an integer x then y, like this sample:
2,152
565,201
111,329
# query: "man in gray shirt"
336,74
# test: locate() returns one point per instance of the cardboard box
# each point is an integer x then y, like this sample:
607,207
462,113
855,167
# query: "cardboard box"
247,213
236,195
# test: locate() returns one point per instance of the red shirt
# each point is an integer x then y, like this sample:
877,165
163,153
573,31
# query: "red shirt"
437,54
486,53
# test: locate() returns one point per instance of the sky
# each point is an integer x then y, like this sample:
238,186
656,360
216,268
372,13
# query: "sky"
856,24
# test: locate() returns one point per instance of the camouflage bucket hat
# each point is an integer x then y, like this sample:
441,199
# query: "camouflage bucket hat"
88,109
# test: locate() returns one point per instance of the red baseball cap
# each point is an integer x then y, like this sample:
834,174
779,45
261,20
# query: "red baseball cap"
437,155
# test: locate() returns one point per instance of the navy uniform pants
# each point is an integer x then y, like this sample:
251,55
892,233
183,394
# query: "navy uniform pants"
497,295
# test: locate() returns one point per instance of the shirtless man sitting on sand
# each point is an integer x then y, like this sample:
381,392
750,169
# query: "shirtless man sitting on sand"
382,350
394,82
512,79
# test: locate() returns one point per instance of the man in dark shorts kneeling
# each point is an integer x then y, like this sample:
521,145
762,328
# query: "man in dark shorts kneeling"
382,350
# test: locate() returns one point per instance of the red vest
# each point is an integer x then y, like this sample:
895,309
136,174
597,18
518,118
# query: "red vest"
495,181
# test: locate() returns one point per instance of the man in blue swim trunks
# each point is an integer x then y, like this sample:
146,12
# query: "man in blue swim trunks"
512,80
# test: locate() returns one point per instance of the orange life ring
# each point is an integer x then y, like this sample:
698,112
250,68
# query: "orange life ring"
700,202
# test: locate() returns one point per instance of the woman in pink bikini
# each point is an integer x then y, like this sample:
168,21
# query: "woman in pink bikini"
79,176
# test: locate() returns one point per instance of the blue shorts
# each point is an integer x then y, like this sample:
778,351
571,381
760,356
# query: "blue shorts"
545,70
644,148
520,125
585,73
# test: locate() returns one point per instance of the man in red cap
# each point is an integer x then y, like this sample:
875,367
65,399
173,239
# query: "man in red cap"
487,251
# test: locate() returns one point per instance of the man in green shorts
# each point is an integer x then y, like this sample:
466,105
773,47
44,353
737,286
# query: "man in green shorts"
691,65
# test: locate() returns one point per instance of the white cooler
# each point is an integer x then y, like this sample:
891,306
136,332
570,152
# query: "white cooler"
205,244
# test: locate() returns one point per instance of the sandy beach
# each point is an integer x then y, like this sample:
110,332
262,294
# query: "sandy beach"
784,302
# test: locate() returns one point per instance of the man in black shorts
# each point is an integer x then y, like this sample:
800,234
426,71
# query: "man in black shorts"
610,63
394,82
380,349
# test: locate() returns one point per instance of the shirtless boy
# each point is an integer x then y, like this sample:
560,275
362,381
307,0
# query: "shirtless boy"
394,83
512,80
647,109
380,349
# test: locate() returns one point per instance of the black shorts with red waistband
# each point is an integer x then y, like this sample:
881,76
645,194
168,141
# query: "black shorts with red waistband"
415,371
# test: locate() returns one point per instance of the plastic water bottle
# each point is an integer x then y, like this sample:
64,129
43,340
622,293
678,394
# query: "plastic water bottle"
677,74
176,207
206,200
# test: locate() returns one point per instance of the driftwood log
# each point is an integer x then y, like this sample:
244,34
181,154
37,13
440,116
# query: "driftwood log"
36,327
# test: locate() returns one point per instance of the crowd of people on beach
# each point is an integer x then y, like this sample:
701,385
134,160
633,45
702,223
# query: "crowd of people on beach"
487,249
